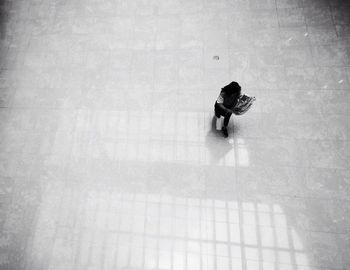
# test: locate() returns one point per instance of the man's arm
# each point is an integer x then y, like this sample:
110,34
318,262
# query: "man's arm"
224,108
220,102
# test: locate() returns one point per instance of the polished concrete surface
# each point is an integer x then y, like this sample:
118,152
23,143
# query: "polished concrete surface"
109,158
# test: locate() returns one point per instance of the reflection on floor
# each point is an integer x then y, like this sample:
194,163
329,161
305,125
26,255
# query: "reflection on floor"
109,229
109,156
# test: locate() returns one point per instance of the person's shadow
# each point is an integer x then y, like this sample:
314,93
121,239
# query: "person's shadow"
217,145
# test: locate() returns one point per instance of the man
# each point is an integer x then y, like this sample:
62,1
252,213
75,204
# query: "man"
225,103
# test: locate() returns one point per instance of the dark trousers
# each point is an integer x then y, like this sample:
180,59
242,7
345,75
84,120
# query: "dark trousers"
221,112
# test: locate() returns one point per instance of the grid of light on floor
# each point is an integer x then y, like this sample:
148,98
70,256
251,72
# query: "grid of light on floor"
118,230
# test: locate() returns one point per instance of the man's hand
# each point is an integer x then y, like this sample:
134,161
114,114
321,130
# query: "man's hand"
228,111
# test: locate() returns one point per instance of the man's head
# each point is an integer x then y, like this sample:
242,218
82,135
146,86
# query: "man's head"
232,88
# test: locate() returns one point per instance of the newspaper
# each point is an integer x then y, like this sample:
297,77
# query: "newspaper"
243,104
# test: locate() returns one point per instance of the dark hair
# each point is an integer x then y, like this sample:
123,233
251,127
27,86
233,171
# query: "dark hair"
232,88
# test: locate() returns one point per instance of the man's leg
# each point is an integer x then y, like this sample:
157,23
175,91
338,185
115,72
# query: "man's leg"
227,119
220,112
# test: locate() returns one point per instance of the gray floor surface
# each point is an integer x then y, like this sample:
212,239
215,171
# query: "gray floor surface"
109,158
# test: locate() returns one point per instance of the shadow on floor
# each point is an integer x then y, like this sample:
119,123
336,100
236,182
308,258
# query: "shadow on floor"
217,145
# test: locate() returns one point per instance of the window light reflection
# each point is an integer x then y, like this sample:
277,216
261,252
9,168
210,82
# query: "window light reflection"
154,136
116,230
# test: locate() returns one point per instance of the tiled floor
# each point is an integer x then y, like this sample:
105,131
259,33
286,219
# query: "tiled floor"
108,154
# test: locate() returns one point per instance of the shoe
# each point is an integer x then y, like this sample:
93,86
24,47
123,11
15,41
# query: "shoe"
224,131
